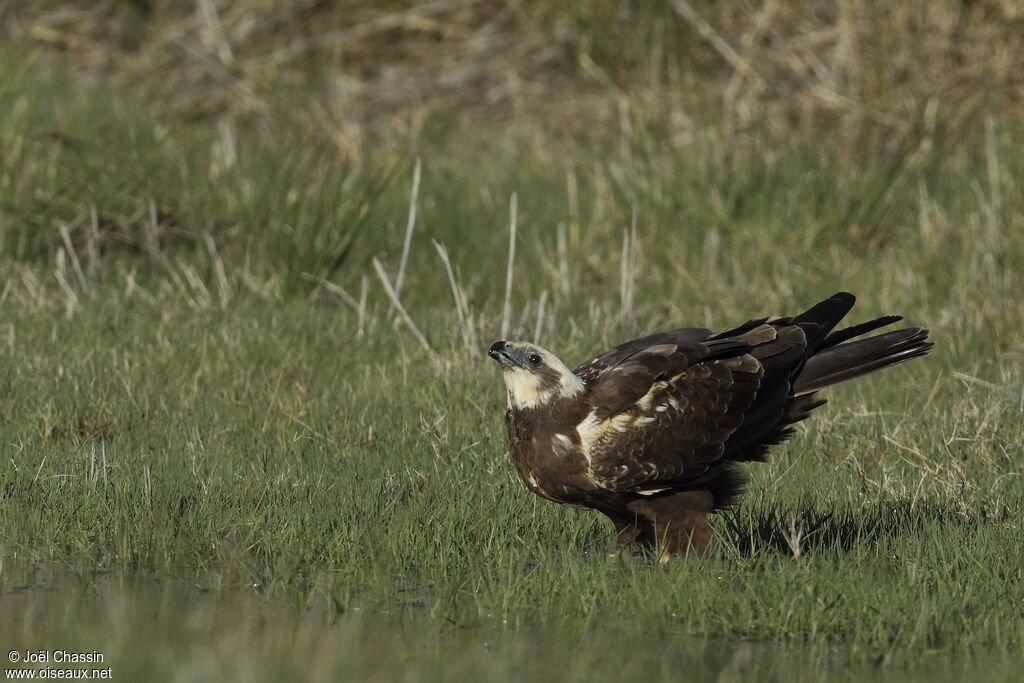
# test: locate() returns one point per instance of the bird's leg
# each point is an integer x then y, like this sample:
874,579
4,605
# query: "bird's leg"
674,524
688,532
626,533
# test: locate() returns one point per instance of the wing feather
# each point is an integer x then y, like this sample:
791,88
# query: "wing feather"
677,430
672,410
593,368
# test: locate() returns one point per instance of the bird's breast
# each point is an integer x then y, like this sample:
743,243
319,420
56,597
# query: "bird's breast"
549,460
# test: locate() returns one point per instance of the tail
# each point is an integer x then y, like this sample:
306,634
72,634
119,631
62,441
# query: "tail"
836,359
817,321
826,357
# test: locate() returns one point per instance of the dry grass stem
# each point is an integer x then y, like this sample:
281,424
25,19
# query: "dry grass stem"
506,309
409,227
382,274
459,299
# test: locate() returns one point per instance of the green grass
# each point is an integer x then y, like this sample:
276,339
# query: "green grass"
208,441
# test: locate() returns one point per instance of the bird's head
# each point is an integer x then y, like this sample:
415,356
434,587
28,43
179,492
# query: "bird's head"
533,376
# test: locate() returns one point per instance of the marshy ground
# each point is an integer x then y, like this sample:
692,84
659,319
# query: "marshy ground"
227,453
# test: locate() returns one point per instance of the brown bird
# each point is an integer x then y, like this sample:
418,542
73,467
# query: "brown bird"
650,432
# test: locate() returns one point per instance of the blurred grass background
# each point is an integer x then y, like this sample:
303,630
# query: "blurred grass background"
205,379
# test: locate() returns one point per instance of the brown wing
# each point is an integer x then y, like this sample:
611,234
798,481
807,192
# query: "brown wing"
674,418
590,370
782,347
723,398
619,386
670,435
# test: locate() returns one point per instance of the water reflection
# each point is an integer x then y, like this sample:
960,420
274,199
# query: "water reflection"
174,630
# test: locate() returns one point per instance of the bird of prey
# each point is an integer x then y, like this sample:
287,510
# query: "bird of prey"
650,432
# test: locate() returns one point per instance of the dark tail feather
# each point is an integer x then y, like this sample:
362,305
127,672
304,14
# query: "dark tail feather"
857,330
819,319
838,362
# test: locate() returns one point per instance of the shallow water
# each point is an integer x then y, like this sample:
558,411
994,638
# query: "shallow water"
168,630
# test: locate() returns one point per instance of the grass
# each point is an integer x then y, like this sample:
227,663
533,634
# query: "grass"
218,434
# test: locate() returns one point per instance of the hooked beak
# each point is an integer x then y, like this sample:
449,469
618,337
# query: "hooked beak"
499,351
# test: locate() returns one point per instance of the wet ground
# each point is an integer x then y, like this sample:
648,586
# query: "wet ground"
153,629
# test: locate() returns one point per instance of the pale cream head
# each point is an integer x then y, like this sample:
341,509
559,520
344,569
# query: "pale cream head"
533,375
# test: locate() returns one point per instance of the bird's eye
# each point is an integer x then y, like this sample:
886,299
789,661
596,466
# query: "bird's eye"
534,359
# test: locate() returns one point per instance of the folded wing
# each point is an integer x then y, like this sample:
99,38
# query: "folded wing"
661,416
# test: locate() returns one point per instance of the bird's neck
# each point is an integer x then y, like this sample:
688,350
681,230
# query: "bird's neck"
559,411
533,391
